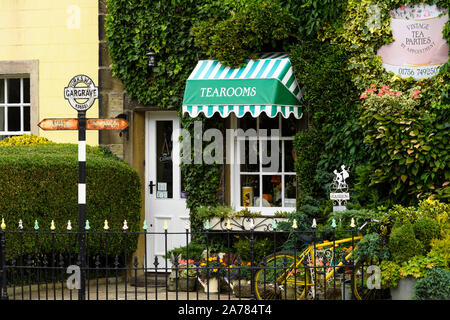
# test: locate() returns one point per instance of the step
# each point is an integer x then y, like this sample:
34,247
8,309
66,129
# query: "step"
149,279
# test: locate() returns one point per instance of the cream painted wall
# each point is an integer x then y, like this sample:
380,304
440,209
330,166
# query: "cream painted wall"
63,36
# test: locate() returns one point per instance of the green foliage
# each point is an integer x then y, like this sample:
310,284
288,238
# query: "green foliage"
426,229
262,248
313,15
134,27
192,251
330,101
40,183
25,140
257,26
402,165
390,274
371,247
201,181
403,244
409,148
435,286
308,145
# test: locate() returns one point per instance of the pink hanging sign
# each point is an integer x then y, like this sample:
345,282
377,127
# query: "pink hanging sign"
419,49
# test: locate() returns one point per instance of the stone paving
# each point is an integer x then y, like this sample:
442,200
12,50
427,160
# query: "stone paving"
111,291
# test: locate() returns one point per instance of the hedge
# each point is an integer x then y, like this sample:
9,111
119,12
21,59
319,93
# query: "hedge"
39,183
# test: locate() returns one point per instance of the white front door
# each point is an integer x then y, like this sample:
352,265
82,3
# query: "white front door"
165,200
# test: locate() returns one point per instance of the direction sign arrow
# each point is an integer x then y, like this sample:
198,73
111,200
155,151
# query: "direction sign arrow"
106,124
91,124
59,124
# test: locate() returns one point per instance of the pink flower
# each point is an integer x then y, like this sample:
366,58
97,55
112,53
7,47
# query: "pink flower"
380,94
398,93
363,96
416,93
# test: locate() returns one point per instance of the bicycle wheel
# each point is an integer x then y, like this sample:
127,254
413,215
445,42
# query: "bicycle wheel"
278,277
361,290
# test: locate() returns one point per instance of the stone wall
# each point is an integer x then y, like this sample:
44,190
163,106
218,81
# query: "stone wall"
111,95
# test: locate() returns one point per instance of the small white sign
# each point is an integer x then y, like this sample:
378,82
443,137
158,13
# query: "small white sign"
340,196
162,194
339,208
289,202
162,186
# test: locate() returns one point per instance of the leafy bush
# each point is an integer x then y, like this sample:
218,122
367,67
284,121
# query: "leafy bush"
426,229
40,183
25,140
435,286
192,251
256,26
262,248
403,244
371,247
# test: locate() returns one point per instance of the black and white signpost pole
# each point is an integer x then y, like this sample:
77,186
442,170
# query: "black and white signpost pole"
81,99
82,199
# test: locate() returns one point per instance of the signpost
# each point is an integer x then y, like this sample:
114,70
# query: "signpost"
338,189
91,124
81,93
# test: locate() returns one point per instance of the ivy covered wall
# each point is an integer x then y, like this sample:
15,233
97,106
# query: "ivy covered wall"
333,46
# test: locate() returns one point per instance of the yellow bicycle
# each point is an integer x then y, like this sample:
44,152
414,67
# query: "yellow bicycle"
285,275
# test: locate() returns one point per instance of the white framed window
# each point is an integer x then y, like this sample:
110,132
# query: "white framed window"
14,106
263,177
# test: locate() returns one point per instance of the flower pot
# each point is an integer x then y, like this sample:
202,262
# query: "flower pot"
242,288
181,284
404,289
212,285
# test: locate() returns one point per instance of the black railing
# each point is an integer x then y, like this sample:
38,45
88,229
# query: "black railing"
41,265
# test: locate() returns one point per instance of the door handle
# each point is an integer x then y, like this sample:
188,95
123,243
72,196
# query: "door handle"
151,185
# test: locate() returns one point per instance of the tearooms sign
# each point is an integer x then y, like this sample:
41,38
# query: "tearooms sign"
419,49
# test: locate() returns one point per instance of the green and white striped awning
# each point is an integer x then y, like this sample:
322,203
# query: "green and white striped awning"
264,85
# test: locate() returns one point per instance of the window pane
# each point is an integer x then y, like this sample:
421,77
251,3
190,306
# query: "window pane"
2,90
271,155
26,90
249,155
164,167
289,126
14,119
289,156
249,190
2,118
268,123
26,118
247,122
272,190
290,190
13,90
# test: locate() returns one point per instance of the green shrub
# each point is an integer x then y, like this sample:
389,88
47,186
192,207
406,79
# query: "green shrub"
40,183
371,247
435,286
192,251
403,244
25,140
426,229
262,248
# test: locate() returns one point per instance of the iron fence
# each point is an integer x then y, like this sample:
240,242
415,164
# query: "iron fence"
270,264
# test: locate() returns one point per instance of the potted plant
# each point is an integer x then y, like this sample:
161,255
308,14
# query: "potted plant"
211,270
416,241
240,278
183,276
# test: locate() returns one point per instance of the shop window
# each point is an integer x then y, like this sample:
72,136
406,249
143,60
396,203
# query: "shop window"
265,164
14,106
